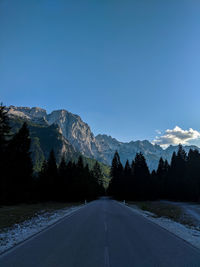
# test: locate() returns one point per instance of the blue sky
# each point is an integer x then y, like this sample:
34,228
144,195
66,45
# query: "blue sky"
128,68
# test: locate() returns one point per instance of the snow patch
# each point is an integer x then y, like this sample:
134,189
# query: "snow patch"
20,232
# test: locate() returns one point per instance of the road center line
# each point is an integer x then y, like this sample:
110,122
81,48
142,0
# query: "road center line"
106,255
105,226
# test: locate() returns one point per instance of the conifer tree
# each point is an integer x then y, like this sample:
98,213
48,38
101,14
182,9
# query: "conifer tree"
127,185
193,176
116,177
4,132
97,173
161,175
61,184
127,169
142,177
4,128
98,177
52,175
20,166
43,182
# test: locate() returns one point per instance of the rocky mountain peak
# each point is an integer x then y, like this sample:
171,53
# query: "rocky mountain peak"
26,112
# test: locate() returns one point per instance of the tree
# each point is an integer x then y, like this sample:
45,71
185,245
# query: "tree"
193,176
98,177
61,183
4,128
127,169
177,175
42,183
4,132
20,168
97,173
116,177
127,181
141,178
161,176
52,175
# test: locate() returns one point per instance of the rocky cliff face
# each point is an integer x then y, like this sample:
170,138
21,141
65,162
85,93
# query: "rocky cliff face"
34,114
76,131
70,126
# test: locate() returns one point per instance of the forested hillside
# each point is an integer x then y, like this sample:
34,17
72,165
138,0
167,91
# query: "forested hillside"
63,181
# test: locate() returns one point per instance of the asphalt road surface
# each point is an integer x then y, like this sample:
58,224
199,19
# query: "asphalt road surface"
104,233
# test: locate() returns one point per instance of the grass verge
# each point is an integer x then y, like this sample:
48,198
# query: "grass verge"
160,209
10,215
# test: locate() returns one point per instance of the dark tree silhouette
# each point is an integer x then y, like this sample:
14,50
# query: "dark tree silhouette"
116,177
52,176
142,177
98,177
4,132
20,169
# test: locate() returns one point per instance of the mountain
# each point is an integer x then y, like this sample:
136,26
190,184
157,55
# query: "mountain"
72,128
128,150
66,133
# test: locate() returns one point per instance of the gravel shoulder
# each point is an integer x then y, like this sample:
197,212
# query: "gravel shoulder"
18,223
174,217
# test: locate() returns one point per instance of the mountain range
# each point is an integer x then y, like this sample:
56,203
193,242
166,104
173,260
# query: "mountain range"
67,134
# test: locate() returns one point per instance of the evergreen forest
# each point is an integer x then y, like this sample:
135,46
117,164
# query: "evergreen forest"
179,180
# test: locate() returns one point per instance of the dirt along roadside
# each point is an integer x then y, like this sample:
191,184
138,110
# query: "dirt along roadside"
178,218
20,222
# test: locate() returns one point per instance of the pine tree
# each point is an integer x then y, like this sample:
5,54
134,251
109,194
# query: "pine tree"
97,173
116,177
127,169
193,176
70,180
177,175
42,184
142,177
62,185
127,179
4,128
161,175
4,132
98,178
20,166
52,174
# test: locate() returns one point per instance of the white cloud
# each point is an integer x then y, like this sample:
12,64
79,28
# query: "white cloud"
158,131
176,136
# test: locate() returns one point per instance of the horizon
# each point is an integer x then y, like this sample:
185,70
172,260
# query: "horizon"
128,69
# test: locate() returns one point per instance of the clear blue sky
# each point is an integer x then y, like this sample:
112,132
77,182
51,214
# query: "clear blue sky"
127,68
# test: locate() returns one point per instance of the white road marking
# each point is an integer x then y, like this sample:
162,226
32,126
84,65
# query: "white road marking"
106,255
105,226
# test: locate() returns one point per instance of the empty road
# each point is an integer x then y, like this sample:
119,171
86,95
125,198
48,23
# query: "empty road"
104,233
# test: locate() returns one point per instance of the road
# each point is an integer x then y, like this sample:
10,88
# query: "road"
104,233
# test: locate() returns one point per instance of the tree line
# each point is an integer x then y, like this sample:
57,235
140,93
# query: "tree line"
179,180
72,181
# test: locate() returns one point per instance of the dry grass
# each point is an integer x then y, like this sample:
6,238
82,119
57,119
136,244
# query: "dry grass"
160,209
10,215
